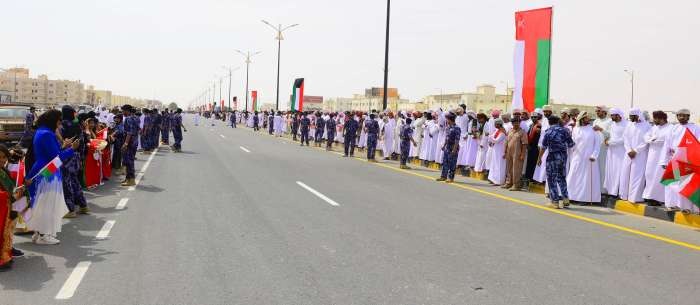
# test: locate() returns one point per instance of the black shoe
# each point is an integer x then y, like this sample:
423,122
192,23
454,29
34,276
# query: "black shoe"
17,253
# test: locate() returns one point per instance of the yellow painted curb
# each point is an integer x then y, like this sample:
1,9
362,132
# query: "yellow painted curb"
537,188
687,219
632,208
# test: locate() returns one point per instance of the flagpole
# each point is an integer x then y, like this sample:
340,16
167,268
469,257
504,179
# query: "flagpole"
551,46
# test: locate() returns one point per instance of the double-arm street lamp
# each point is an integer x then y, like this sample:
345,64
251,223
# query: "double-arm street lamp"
247,56
279,29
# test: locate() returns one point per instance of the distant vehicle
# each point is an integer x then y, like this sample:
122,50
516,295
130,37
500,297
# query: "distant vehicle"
85,108
12,122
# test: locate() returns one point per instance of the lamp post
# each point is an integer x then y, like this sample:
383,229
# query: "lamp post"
230,76
386,55
247,68
631,74
279,29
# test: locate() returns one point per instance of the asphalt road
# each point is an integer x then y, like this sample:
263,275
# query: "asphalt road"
244,218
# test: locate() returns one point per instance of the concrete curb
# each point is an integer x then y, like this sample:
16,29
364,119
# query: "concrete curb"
657,212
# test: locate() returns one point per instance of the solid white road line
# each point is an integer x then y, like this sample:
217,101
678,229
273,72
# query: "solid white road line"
104,232
222,136
315,192
122,204
143,169
244,149
73,281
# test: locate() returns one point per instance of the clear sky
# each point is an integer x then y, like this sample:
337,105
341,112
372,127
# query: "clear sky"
172,49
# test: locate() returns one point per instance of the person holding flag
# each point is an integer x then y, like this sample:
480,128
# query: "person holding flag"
674,148
46,183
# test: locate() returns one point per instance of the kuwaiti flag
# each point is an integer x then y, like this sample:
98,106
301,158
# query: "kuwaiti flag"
533,34
49,169
298,95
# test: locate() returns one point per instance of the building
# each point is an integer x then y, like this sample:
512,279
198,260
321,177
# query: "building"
40,91
98,97
120,100
313,103
484,99
372,100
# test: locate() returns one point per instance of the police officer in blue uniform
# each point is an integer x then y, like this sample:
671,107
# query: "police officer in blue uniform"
349,134
450,150
320,127
330,132
131,129
304,124
372,129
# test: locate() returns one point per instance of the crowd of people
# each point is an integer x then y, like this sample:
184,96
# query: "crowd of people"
580,157
67,152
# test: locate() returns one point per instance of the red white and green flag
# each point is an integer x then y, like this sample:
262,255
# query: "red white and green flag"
49,169
684,168
298,95
533,37
254,99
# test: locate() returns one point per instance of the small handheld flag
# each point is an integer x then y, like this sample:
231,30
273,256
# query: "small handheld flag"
49,169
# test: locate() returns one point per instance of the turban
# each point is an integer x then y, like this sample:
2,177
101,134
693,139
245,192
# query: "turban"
636,111
683,111
583,115
564,110
617,111
602,108
459,110
547,108
537,111
495,112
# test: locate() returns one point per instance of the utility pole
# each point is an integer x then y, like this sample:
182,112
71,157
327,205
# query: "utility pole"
247,69
386,55
230,76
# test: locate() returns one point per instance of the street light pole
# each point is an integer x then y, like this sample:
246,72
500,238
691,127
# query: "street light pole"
386,55
247,69
631,74
230,76
279,38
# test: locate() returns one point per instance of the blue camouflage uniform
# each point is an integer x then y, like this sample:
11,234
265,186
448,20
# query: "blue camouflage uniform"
372,135
256,122
295,127
233,119
119,138
304,124
557,140
155,130
330,133
320,126
449,154
176,125
131,128
70,170
351,128
406,134
165,128
145,133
